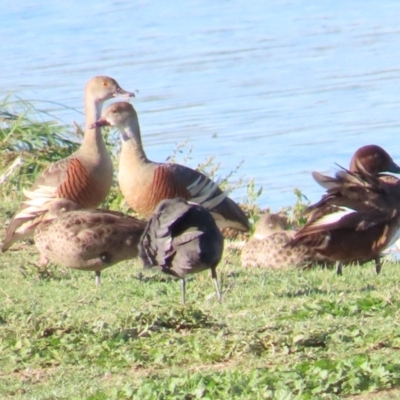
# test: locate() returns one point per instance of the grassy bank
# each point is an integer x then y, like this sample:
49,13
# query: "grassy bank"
276,335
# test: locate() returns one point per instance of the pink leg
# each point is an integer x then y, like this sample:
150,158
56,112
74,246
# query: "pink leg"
43,261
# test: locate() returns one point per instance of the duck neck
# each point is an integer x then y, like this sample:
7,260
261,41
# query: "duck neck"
92,139
131,140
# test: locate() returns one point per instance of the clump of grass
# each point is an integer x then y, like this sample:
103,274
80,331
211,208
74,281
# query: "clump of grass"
295,213
35,139
250,203
210,167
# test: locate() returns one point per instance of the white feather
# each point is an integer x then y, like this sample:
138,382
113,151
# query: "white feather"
194,184
202,192
394,239
213,202
332,218
199,195
41,191
37,201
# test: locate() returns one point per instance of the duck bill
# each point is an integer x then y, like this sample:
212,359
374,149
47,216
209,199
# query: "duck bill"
100,123
123,93
394,168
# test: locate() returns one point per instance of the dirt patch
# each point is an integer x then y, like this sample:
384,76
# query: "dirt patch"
391,394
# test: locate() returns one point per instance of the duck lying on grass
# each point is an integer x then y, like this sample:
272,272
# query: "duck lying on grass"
267,247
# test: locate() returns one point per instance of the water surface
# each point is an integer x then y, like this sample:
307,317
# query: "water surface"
288,87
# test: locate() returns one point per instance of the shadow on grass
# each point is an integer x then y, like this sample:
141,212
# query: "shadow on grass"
316,291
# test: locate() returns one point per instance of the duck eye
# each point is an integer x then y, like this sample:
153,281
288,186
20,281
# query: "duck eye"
105,84
114,110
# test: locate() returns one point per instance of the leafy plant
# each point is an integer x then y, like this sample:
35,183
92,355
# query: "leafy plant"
37,143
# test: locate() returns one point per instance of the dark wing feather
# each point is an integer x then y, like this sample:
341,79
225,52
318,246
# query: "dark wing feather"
164,233
360,191
355,221
108,232
181,238
227,208
157,246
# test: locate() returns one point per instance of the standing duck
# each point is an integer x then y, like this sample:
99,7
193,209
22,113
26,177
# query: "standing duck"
145,183
182,238
85,177
267,247
357,218
89,240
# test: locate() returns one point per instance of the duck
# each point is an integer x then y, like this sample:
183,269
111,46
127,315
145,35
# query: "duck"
370,158
182,238
267,247
355,220
85,177
88,240
145,183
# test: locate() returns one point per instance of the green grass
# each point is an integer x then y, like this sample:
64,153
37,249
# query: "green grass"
277,334
34,136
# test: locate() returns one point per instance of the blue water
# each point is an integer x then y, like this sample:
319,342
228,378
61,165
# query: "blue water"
288,87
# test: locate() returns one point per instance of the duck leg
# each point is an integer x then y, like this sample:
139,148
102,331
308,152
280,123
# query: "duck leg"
98,280
215,280
339,266
43,261
378,264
